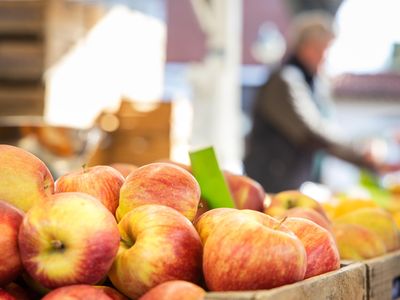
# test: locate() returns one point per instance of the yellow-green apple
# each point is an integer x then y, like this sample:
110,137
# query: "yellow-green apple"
79,292
310,214
285,200
70,239
246,192
175,290
25,179
124,168
356,242
322,252
160,183
377,220
158,244
10,261
251,251
102,182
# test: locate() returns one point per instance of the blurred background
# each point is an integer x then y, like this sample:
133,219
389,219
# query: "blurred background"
135,81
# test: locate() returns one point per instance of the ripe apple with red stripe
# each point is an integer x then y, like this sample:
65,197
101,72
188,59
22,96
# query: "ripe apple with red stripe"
70,239
102,182
25,179
158,244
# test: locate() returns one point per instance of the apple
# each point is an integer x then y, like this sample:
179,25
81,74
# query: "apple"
356,242
175,290
310,214
281,202
17,291
33,284
377,220
246,192
10,261
111,292
347,204
201,209
211,219
158,244
179,164
71,239
4,295
252,251
79,292
25,179
102,182
124,168
322,253
160,183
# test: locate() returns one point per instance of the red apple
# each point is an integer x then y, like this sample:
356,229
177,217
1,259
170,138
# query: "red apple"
102,182
160,183
124,168
246,192
78,292
252,251
175,290
310,214
17,291
68,240
158,244
322,252
201,209
10,261
281,202
25,179
4,295
112,293
33,285
209,220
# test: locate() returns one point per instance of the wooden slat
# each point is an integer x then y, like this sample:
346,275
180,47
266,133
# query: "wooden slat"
21,99
21,60
381,272
347,283
22,17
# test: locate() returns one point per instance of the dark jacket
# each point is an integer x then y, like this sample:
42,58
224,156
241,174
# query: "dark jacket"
289,127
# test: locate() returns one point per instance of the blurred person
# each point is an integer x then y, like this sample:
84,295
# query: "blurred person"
292,114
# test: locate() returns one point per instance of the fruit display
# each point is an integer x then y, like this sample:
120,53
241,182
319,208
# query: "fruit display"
102,182
94,234
160,183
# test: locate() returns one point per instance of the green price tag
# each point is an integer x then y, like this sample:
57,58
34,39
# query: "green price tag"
212,182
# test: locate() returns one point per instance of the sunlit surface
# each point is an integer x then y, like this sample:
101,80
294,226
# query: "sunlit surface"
367,30
122,56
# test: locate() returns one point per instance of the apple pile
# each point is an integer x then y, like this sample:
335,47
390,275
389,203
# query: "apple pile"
94,234
362,229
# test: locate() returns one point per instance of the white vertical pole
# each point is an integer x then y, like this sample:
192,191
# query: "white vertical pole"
216,82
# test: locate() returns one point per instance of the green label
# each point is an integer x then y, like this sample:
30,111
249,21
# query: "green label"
214,188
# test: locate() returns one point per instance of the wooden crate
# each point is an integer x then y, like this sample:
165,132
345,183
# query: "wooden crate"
141,134
21,60
22,17
381,273
25,99
347,283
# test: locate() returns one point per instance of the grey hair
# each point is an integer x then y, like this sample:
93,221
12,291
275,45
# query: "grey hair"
311,25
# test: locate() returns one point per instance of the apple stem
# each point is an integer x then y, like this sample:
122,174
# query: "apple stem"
84,167
57,244
280,223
